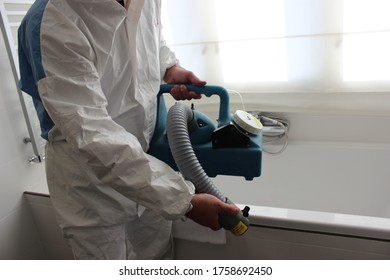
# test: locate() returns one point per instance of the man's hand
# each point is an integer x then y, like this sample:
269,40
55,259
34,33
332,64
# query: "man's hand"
207,208
179,75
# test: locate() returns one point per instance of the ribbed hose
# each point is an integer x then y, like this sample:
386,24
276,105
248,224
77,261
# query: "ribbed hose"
178,123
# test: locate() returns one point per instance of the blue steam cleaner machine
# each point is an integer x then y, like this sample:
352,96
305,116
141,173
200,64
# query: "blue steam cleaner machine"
189,142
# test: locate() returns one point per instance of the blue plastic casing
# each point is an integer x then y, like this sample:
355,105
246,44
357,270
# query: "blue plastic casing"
244,162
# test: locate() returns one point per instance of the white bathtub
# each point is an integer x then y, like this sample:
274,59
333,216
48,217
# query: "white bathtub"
327,197
317,200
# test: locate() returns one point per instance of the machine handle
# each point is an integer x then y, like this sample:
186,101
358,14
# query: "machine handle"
208,90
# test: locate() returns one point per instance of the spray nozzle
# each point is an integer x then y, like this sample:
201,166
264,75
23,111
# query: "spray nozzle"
245,211
237,224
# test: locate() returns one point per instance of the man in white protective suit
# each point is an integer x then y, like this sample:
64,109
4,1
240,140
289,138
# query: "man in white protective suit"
93,69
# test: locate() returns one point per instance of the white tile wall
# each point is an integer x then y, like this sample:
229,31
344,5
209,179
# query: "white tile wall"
18,234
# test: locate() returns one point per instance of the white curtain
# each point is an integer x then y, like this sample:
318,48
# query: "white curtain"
327,56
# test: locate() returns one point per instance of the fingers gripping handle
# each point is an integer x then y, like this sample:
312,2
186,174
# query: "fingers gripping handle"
237,224
208,90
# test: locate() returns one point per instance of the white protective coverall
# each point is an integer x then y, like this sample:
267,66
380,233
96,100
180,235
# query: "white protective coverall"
103,67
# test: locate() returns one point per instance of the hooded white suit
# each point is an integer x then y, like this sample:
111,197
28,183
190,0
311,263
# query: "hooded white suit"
102,68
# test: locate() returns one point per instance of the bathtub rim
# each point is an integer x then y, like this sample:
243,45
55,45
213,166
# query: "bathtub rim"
320,222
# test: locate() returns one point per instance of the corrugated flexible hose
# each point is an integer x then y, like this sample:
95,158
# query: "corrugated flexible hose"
180,121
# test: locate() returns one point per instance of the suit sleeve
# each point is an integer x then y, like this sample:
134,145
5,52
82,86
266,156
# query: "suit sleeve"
73,97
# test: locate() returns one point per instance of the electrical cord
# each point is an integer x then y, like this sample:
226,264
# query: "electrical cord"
270,122
272,139
239,95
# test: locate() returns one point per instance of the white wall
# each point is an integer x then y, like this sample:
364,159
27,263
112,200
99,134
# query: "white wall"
18,235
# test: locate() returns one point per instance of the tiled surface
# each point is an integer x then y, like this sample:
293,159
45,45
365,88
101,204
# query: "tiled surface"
18,236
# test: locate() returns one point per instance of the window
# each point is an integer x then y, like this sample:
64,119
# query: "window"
366,55
253,40
327,55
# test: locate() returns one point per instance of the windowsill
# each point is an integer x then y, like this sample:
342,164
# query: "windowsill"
333,104
357,104
338,117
